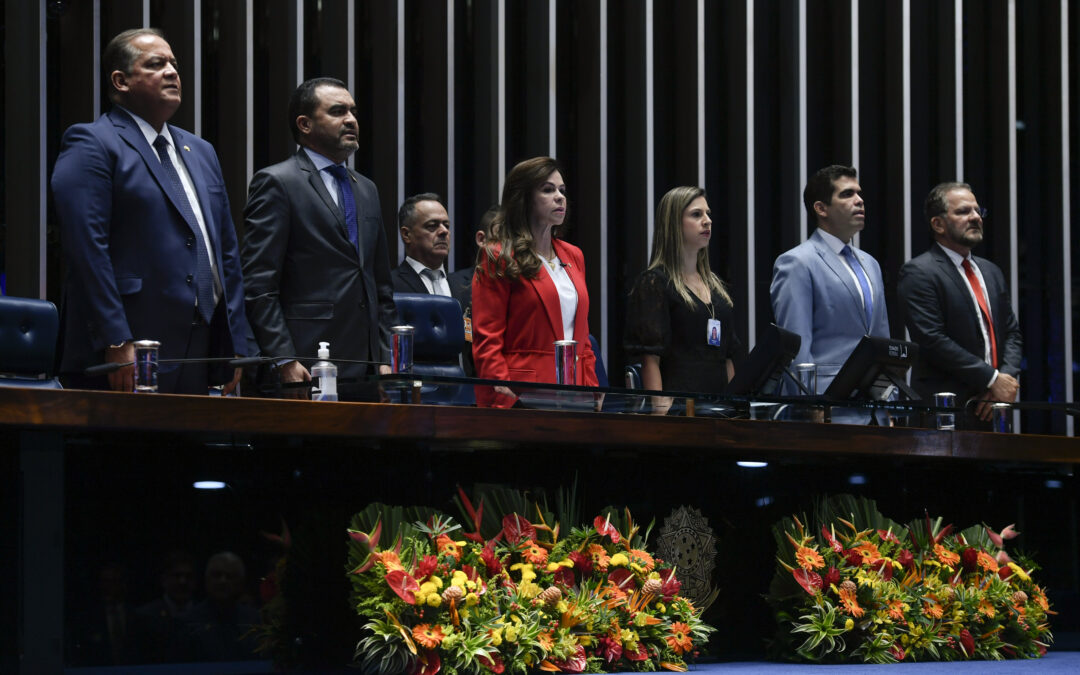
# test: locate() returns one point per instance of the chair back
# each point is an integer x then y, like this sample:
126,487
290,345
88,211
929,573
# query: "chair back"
438,339
601,371
28,330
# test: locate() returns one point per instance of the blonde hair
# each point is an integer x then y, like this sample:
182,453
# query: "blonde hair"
509,248
667,245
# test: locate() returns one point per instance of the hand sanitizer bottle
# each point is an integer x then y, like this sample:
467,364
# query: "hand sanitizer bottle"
324,374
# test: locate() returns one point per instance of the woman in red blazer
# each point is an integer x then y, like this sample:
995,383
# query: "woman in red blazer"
529,288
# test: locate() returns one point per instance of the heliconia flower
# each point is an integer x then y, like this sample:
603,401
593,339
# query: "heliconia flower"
1008,533
491,561
680,639
428,636
809,559
426,566
671,586
1002,558
605,528
516,528
832,576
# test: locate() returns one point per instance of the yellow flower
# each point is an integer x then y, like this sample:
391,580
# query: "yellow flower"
849,624
496,637
1019,572
472,599
428,587
528,590
511,633
437,581
619,560
434,600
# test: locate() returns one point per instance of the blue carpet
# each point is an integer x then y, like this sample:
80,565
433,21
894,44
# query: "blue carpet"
1056,663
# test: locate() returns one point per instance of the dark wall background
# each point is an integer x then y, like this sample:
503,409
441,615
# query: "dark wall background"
453,93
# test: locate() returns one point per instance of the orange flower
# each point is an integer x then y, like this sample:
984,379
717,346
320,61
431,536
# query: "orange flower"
1041,601
680,640
391,560
599,557
945,556
850,602
534,553
933,610
809,559
986,608
642,558
427,635
546,641
868,551
987,562
448,546
896,609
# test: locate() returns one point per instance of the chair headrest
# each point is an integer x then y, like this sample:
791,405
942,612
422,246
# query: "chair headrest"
28,329
437,320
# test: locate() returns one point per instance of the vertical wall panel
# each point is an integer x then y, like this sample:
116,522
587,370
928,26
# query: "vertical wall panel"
1066,210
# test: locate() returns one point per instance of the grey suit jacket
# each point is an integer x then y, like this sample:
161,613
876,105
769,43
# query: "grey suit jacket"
941,317
304,281
814,295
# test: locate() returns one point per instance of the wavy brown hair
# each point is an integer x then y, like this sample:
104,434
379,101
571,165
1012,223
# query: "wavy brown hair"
509,249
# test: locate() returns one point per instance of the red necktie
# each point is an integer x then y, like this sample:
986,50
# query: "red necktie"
981,297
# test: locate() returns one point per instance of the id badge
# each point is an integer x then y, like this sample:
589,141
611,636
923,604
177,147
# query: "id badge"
713,332
468,329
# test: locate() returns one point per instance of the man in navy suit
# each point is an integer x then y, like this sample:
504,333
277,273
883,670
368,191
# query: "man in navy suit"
825,289
146,232
425,232
315,256
957,308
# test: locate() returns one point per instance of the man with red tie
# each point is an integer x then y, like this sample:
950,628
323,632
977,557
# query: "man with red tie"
957,308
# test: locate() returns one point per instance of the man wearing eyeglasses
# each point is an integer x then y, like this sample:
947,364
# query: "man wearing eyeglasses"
957,308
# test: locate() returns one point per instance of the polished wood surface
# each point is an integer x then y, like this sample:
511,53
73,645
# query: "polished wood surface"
110,411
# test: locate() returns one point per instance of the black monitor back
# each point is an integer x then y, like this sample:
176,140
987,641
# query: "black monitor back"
875,364
761,372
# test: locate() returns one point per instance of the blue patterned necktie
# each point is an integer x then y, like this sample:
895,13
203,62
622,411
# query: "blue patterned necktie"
204,279
864,283
346,199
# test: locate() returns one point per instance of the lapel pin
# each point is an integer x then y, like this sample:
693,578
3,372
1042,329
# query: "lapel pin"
187,148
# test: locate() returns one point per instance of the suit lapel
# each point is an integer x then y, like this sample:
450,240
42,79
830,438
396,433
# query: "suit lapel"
130,133
833,262
354,184
415,283
315,180
548,296
960,286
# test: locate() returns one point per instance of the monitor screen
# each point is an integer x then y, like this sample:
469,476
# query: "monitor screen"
760,373
877,366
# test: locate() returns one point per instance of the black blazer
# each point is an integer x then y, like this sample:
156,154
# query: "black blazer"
304,281
941,318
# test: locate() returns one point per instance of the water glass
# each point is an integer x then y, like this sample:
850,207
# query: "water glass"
565,361
146,366
946,421
401,348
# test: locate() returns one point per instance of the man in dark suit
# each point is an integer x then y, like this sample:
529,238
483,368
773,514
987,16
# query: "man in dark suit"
956,307
146,231
425,232
315,254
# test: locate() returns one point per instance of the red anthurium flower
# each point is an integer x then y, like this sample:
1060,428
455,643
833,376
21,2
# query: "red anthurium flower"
604,527
1004,572
582,563
575,664
887,535
906,558
833,542
884,568
671,584
428,663
832,576
493,662
516,528
810,581
897,651
639,655
610,649
404,585
854,558
623,578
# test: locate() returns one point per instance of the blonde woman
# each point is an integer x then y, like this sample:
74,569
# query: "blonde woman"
680,320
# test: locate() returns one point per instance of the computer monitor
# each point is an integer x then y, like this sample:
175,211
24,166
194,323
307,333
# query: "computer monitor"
877,367
760,373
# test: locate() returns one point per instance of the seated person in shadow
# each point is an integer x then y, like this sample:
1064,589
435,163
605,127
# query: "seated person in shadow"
462,279
680,321
219,627
106,631
161,617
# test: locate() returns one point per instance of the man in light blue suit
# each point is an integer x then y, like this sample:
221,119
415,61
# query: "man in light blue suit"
146,231
825,289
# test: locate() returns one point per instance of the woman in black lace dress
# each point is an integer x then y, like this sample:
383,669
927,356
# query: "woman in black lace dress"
680,321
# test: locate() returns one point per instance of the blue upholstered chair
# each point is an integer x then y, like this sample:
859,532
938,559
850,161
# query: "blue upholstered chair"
437,344
28,330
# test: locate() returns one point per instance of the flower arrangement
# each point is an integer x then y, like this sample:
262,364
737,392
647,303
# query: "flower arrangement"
441,600
853,586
